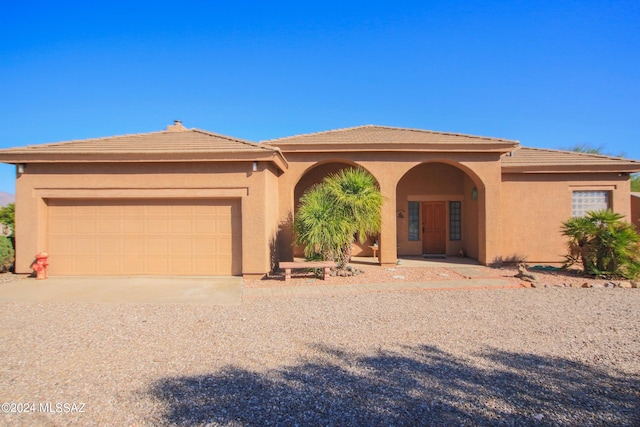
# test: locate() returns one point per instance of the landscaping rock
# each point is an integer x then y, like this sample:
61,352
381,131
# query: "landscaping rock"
625,285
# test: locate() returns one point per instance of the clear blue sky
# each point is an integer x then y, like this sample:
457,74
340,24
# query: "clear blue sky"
547,73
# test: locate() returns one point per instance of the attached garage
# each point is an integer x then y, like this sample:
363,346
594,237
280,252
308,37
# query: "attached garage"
145,237
177,202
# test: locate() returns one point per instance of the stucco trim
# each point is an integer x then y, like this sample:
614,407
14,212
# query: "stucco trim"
141,193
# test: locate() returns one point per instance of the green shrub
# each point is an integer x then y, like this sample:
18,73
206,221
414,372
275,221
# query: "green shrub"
7,254
604,244
8,216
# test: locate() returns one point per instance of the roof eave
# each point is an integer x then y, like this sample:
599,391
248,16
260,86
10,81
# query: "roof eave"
622,168
136,157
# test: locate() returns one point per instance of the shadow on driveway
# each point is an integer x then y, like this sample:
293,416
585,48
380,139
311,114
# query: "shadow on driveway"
416,386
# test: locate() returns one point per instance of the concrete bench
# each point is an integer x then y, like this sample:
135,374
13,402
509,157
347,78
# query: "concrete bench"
324,265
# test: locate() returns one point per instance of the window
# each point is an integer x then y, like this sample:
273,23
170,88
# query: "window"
414,220
584,201
455,220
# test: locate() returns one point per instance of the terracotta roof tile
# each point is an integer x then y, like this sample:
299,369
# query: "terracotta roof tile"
539,158
371,134
169,141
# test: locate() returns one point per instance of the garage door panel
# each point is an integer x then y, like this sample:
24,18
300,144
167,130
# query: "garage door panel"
84,226
133,265
84,210
112,210
85,265
109,265
85,246
181,210
132,225
157,265
181,226
181,246
145,237
109,246
204,226
108,226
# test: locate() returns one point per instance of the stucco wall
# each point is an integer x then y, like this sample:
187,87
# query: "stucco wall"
482,171
233,180
535,205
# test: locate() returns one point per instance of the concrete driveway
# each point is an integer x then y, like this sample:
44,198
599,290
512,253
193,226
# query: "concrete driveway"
140,290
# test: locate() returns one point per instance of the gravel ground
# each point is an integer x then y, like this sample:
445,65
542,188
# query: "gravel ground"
375,274
549,356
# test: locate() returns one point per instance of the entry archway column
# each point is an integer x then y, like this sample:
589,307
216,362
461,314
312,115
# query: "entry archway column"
388,235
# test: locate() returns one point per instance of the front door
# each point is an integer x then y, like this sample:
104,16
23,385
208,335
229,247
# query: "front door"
433,228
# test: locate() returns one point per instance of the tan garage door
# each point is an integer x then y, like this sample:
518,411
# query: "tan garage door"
145,237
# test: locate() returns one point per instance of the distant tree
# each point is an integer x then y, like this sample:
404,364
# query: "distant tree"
635,183
8,216
587,148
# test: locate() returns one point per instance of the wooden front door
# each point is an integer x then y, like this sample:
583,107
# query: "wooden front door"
433,228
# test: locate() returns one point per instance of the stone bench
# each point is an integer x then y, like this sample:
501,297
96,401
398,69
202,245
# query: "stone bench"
291,265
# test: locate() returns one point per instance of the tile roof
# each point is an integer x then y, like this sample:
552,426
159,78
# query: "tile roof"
372,134
558,161
168,141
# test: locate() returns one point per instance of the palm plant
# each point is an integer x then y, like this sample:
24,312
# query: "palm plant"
330,214
320,225
606,245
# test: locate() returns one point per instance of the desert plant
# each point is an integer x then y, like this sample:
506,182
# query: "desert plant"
321,225
7,216
7,254
330,214
604,244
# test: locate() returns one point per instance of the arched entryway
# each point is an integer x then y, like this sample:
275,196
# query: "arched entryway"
438,211
315,175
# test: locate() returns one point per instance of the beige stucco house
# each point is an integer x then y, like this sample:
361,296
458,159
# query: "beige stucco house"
191,202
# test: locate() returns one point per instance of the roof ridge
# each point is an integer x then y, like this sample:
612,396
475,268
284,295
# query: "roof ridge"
229,138
389,128
466,135
314,133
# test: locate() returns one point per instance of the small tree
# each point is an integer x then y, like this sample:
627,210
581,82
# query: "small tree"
8,216
331,213
604,244
7,254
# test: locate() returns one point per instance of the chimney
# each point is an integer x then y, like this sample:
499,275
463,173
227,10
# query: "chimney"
176,126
